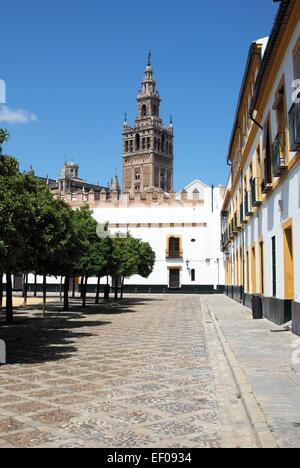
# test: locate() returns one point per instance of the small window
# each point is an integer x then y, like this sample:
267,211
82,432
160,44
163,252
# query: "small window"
193,275
137,142
268,176
144,110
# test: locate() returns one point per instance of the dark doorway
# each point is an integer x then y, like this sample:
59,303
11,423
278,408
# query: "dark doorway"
175,279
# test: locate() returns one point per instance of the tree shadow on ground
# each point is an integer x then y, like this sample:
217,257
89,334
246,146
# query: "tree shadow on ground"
33,339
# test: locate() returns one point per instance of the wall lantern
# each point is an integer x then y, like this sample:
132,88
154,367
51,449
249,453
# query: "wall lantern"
207,261
187,264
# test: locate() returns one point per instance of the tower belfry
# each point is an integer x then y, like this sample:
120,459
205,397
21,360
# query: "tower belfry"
148,146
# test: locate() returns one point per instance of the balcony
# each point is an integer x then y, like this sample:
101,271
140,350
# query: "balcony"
234,230
242,217
248,211
237,221
266,187
223,243
279,162
294,127
255,193
174,254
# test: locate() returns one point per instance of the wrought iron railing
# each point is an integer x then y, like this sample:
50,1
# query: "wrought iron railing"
248,211
279,163
294,127
255,195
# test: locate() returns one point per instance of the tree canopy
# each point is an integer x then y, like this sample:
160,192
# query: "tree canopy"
44,236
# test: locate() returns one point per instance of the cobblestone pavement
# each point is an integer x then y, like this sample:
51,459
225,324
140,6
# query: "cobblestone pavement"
149,372
271,362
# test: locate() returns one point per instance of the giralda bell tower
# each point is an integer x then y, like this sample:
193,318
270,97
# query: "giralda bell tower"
148,146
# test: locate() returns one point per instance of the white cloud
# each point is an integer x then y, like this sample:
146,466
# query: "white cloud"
16,116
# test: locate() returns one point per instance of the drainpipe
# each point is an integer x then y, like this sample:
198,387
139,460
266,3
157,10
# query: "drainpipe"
255,121
212,198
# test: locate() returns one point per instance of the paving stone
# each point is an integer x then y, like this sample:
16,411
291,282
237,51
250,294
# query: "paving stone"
146,378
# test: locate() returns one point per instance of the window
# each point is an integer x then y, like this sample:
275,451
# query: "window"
174,247
258,172
262,267
144,110
137,142
296,61
279,107
268,176
193,275
163,140
274,267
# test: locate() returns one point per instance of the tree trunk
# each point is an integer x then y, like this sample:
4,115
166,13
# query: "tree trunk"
44,294
84,292
74,288
25,290
66,293
35,286
1,291
23,285
122,288
107,290
116,288
61,289
9,299
82,287
98,290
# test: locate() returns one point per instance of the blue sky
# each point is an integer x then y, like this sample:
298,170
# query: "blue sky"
75,67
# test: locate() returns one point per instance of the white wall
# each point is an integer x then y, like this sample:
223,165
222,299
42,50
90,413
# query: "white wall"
206,245
269,219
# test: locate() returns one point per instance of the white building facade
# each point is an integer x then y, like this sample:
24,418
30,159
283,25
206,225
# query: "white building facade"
185,236
183,231
261,211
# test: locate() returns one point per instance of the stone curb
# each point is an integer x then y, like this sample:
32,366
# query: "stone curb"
259,424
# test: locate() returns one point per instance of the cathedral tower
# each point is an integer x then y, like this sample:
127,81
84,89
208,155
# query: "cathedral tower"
148,146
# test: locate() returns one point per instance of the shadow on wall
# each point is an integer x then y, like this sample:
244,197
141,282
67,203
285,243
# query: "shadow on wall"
271,214
285,202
